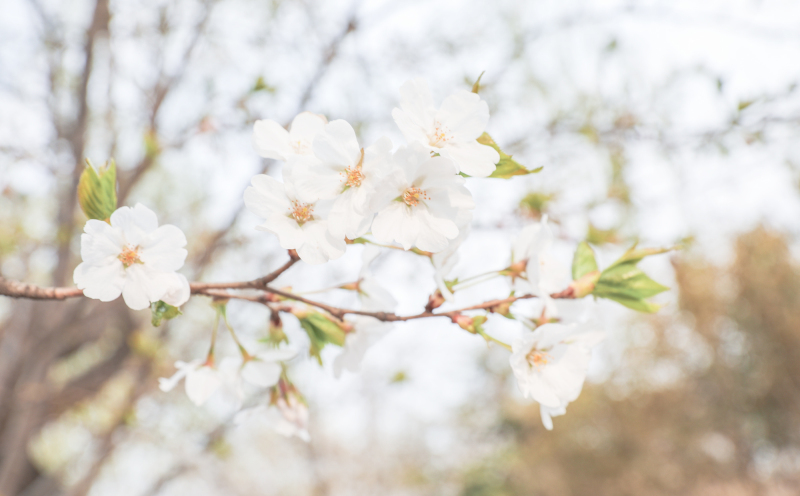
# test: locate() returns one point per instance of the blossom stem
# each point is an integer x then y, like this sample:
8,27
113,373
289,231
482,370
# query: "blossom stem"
490,338
210,357
245,355
474,281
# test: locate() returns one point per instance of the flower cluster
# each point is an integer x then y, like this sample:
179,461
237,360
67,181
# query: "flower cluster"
333,192
333,189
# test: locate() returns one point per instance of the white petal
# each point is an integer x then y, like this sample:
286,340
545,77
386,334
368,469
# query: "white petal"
178,292
163,249
337,144
261,373
100,241
267,196
135,222
271,140
306,125
472,158
143,286
464,114
101,282
290,235
201,384
416,118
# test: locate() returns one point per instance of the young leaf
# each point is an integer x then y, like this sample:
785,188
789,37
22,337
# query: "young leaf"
584,261
321,330
477,86
626,284
507,166
97,190
162,311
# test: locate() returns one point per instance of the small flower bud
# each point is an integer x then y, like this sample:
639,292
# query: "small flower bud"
464,322
350,286
503,309
585,285
435,301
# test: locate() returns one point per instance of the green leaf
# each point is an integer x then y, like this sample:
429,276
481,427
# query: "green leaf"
639,305
321,330
477,86
636,254
584,261
627,284
507,166
162,311
97,190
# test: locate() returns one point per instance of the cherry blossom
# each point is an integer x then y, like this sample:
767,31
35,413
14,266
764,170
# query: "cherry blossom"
534,268
131,255
264,369
445,261
419,201
373,296
550,364
271,140
451,130
299,225
287,415
366,332
340,169
202,380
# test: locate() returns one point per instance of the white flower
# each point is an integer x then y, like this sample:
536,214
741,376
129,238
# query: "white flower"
445,261
543,273
366,332
202,380
340,169
289,417
373,296
451,130
134,257
550,364
264,369
419,201
298,225
548,413
271,140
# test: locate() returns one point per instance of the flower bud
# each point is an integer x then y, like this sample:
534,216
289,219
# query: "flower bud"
276,335
350,286
465,323
435,301
503,309
585,284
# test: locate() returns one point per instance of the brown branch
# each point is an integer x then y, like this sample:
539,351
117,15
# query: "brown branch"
384,316
222,290
17,289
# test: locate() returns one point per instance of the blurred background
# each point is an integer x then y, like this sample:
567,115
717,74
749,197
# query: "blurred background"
657,121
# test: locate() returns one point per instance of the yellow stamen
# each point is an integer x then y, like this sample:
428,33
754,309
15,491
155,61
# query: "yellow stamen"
440,136
538,358
301,212
354,177
413,195
129,256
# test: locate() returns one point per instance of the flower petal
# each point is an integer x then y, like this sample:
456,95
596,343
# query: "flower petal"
472,158
271,140
464,114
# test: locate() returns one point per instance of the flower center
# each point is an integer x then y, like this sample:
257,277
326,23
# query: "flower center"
413,195
354,177
538,358
440,135
129,256
301,147
302,212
